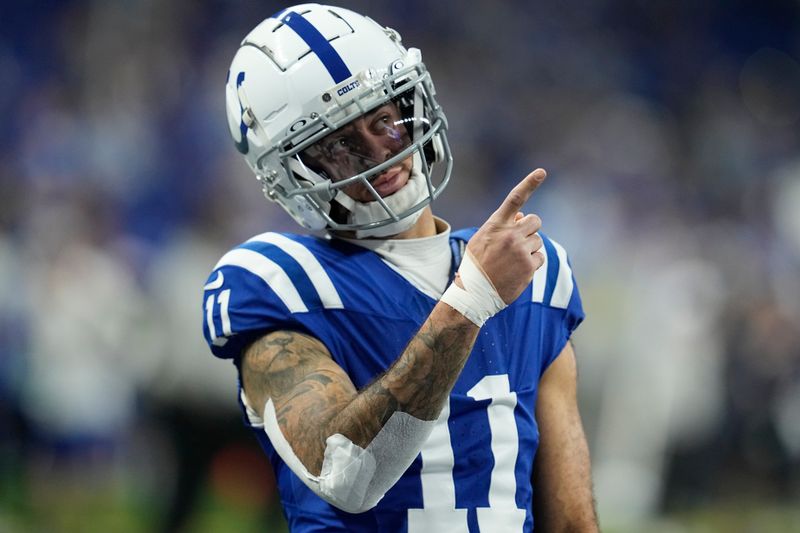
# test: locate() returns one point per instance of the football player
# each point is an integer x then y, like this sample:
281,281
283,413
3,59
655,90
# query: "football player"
400,376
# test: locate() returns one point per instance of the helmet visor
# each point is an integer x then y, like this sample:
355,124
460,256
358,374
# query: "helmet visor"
375,139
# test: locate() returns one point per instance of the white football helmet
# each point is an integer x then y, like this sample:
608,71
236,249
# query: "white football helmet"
306,76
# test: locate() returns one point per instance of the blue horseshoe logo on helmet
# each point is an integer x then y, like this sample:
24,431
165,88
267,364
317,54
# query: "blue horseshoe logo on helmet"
241,145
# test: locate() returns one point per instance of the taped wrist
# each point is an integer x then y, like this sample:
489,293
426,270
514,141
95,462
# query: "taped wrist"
478,301
352,478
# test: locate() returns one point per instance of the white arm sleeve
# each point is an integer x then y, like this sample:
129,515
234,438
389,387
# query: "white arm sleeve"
352,478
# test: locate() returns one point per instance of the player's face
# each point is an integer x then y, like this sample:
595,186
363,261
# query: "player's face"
360,145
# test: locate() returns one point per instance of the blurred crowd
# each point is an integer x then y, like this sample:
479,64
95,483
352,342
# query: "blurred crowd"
671,134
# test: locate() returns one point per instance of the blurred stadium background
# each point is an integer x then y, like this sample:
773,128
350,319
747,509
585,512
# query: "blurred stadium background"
671,131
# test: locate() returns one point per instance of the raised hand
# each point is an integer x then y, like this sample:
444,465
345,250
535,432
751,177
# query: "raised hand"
506,246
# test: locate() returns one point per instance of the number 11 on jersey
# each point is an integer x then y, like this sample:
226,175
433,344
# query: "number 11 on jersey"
222,299
438,488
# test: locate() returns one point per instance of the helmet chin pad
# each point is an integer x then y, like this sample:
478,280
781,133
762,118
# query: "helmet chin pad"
411,199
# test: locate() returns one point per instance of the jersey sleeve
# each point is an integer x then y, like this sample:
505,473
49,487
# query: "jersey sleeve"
269,283
554,287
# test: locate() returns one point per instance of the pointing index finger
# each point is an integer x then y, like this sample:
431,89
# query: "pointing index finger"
519,195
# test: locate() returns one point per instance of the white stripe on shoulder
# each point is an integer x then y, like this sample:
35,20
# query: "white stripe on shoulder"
540,279
310,264
270,272
564,284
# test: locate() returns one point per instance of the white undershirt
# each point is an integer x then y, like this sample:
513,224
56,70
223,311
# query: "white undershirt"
424,262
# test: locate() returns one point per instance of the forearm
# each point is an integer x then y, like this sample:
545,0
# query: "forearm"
563,484
562,475
313,398
417,383
350,447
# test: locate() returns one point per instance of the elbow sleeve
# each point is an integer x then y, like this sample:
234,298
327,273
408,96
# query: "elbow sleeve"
352,478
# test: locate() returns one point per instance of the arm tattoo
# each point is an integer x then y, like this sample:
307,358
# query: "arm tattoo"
298,374
314,398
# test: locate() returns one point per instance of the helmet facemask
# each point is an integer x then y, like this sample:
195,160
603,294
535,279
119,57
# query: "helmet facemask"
370,155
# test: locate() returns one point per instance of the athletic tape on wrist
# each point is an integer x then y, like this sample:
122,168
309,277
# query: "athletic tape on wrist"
478,301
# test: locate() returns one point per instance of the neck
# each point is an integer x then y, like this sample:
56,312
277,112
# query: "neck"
424,227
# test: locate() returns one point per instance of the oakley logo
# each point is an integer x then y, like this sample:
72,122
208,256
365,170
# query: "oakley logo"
347,88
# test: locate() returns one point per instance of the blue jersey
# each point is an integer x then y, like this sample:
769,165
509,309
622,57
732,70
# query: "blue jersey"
474,472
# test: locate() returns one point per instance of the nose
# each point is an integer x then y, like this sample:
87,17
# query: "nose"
379,147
